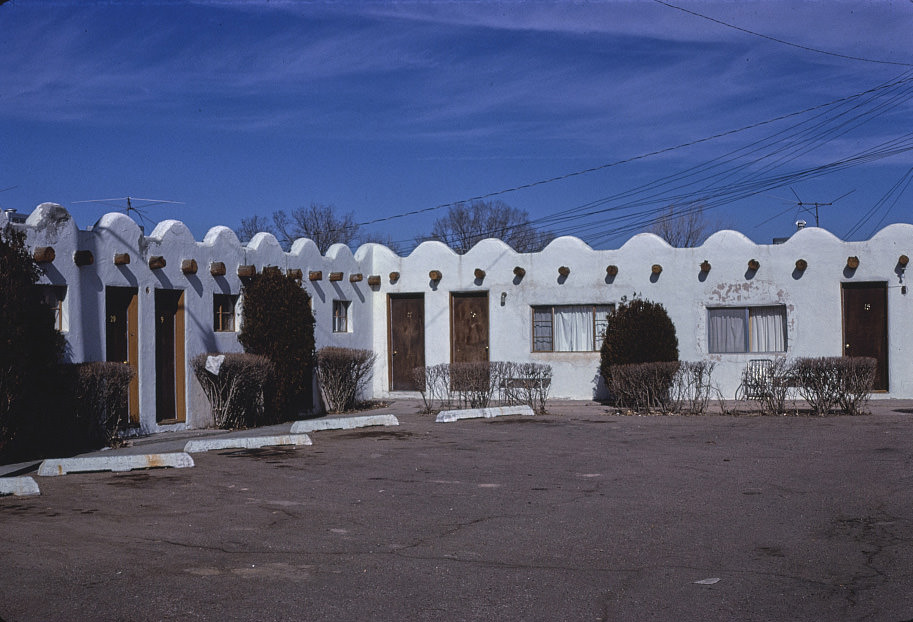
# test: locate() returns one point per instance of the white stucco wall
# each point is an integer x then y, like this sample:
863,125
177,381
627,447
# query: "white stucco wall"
812,298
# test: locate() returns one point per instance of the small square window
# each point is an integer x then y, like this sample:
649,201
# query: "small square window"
223,312
341,316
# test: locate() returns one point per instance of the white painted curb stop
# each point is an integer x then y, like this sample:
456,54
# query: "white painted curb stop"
18,486
449,416
62,466
246,442
343,423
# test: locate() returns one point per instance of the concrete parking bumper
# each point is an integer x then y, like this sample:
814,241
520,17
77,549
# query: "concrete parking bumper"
449,416
87,464
18,486
246,442
342,423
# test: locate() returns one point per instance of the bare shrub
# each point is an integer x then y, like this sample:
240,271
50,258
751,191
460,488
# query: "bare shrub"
817,383
236,392
434,385
526,383
420,378
343,373
856,376
100,400
643,387
692,388
474,383
828,382
777,384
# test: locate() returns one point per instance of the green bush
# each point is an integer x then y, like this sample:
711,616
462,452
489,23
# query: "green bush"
30,349
236,393
639,331
277,323
343,373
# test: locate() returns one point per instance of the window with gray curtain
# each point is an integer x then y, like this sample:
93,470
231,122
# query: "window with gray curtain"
569,328
746,329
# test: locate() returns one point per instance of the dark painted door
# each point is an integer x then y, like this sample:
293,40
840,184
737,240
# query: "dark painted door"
169,355
121,340
407,340
865,325
469,328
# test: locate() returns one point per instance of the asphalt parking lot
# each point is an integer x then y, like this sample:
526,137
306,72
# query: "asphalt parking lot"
575,515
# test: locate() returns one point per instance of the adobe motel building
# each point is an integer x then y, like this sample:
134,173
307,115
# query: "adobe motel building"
158,300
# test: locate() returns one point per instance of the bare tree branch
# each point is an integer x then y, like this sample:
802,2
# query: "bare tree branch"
464,226
682,228
252,226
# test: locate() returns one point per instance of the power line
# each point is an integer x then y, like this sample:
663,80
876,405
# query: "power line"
789,43
902,79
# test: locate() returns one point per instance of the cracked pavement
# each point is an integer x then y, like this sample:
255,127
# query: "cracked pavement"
575,515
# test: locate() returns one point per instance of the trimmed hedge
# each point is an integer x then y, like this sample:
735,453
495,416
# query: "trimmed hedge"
639,331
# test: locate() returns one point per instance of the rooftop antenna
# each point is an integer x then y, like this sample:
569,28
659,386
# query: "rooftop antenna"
130,208
808,205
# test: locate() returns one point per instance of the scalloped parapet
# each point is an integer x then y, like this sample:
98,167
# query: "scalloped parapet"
221,235
171,230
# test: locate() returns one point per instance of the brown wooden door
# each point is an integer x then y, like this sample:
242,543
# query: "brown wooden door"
469,327
865,325
407,340
121,339
169,355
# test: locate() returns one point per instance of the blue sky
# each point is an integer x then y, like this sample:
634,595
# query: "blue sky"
383,108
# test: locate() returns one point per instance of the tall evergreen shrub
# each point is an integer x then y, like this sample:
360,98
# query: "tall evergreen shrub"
30,349
277,323
639,355
640,331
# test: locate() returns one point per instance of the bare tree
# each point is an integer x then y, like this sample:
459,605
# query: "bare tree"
252,226
318,222
464,226
681,227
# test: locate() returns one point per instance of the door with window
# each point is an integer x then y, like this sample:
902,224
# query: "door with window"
865,325
169,356
469,327
406,318
121,340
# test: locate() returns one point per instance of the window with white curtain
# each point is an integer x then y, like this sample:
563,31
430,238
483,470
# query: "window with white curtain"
55,298
341,322
569,328
746,329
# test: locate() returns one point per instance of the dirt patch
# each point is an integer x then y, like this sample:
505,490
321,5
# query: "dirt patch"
527,420
378,434
268,454
143,480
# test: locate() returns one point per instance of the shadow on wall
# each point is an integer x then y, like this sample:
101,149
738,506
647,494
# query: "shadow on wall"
600,392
